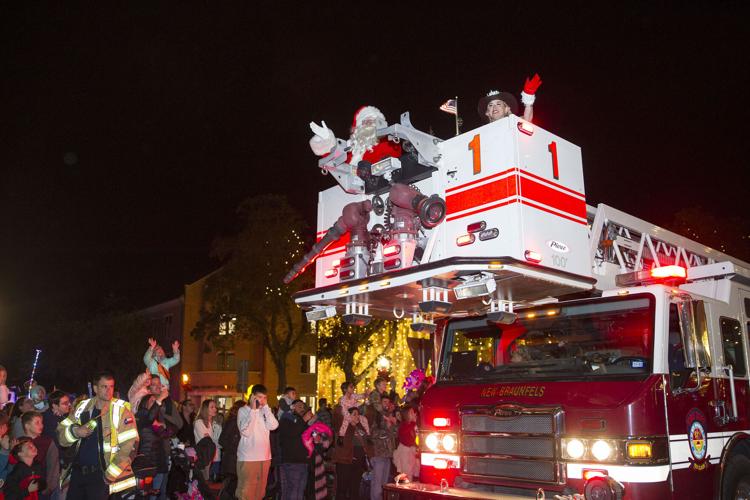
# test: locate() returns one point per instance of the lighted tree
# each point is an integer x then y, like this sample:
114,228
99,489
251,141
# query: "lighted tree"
248,289
342,344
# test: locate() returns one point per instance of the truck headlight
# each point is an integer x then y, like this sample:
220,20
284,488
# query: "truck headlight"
432,441
575,448
601,450
449,442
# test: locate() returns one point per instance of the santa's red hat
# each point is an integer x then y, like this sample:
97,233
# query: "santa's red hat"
366,112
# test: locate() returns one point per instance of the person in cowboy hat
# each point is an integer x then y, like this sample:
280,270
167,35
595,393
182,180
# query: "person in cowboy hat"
496,105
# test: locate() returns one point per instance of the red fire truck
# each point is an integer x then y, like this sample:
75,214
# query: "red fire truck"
579,352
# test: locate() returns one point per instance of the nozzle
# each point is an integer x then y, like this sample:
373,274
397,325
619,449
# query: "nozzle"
431,210
354,218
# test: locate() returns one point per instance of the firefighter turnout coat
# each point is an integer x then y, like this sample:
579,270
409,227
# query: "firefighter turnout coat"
120,437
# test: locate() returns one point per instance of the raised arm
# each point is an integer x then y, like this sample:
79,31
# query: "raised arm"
170,362
528,96
149,352
323,141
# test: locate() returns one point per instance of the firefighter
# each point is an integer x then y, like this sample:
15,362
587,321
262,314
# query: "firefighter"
103,430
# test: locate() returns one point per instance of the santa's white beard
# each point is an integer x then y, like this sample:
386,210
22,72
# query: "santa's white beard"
362,140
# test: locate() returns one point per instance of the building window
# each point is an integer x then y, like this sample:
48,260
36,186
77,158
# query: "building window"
225,361
227,324
308,363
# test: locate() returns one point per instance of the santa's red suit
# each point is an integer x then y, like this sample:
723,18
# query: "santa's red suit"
383,149
363,142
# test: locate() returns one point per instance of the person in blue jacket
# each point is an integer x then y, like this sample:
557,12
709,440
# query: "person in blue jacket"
157,363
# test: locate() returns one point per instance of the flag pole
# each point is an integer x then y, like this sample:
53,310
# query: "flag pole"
458,132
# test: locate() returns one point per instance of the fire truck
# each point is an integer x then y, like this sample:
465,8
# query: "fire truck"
579,351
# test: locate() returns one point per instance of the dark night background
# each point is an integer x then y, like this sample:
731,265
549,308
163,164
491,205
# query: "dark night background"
129,134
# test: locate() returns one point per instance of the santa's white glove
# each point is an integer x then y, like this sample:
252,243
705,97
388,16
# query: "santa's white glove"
323,140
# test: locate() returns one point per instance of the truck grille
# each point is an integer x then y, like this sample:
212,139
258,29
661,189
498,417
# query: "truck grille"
512,442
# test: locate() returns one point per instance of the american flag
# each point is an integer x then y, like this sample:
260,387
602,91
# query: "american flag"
450,106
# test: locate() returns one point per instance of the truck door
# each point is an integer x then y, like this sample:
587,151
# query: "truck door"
695,441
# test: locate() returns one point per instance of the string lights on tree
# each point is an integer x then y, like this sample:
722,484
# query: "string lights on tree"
331,376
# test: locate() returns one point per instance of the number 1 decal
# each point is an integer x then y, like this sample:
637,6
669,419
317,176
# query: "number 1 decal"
475,146
553,149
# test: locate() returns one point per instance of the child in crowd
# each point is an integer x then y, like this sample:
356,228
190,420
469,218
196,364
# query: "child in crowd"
285,403
157,363
350,400
405,456
24,482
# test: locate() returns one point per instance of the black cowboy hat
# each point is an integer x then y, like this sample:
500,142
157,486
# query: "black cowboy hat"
506,97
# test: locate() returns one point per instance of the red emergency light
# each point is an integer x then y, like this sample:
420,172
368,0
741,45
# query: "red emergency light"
669,272
349,273
391,250
476,227
349,261
392,263
525,127
533,256
668,275
331,273
441,422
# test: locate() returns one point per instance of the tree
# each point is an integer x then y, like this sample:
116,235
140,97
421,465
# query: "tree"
343,343
249,287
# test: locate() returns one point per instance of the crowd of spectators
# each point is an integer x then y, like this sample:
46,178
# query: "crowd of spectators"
251,451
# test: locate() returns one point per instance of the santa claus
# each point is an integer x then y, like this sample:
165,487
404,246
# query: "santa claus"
363,142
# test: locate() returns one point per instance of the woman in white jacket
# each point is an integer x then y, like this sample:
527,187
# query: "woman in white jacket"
205,425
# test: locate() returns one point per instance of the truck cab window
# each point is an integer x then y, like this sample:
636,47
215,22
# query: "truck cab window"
733,345
590,338
676,350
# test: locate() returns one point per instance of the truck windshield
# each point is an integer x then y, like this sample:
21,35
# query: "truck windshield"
594,338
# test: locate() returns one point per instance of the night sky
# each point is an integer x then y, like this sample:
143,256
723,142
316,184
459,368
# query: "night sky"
129,134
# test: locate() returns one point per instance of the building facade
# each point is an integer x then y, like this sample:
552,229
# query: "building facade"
212,368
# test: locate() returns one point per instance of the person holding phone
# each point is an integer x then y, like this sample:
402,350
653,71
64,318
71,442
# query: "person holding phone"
255,422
